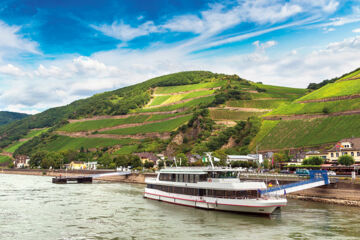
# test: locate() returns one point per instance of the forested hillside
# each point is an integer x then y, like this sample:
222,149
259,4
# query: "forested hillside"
8,117
181,113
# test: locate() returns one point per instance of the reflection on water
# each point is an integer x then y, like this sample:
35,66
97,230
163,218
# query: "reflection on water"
34,208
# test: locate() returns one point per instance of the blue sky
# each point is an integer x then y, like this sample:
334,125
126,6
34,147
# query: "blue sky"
54,52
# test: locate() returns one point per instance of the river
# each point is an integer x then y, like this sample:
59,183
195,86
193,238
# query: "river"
31,207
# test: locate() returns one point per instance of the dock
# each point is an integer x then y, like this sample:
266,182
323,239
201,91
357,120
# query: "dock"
86,179
78,179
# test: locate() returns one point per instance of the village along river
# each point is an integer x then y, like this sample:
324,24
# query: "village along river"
31,207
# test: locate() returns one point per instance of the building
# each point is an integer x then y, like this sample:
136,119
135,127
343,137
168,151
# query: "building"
259,157
147,157
21,161
76,165
243,158
91,165
349,146
310,154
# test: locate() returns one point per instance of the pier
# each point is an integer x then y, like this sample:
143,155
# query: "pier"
86,179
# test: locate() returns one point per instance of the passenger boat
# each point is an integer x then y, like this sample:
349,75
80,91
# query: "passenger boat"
211,188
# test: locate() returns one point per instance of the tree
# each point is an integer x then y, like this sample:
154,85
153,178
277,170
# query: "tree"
161,164
181,159
105,160
222,156
135,161
122,161
346,160
315,160
149,164
36,158
266,163
280,157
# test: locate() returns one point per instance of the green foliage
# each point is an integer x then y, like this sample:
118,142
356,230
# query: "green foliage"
4,160
33,133
280,157
204,101
313,161
243,164
47,160
224,114
182,78
326,110
116,102
346,160
310,132
148,164
105,160
314,86
317,107
242,133
262,104
339,88
162,100
166,126
132,161
51,142
7,117
185,88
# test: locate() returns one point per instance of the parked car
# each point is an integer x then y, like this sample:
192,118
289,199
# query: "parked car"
331,173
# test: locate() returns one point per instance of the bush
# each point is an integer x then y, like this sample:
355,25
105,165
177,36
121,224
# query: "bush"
346,160
326,110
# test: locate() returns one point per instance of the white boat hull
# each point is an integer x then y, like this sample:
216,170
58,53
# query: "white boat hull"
258,206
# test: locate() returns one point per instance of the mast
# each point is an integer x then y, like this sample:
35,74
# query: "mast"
210,159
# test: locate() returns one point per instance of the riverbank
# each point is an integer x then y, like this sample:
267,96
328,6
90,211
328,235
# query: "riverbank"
345,193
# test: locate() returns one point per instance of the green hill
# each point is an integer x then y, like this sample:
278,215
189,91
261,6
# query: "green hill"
8,117
192,112
323,116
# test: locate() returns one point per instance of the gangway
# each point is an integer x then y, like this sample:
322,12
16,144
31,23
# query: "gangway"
317,178
120,173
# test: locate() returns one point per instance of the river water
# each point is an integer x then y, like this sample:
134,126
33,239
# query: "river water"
31,207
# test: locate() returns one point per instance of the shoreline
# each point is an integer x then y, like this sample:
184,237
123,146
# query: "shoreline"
340,194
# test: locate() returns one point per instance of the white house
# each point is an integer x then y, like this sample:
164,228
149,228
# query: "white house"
244,158
91,165
349,146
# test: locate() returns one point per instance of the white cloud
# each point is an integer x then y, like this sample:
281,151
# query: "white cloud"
10,69
357,30
125,32
11,40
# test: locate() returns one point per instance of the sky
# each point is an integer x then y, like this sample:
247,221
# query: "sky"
53,52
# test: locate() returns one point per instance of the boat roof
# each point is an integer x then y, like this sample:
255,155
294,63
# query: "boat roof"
198,170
